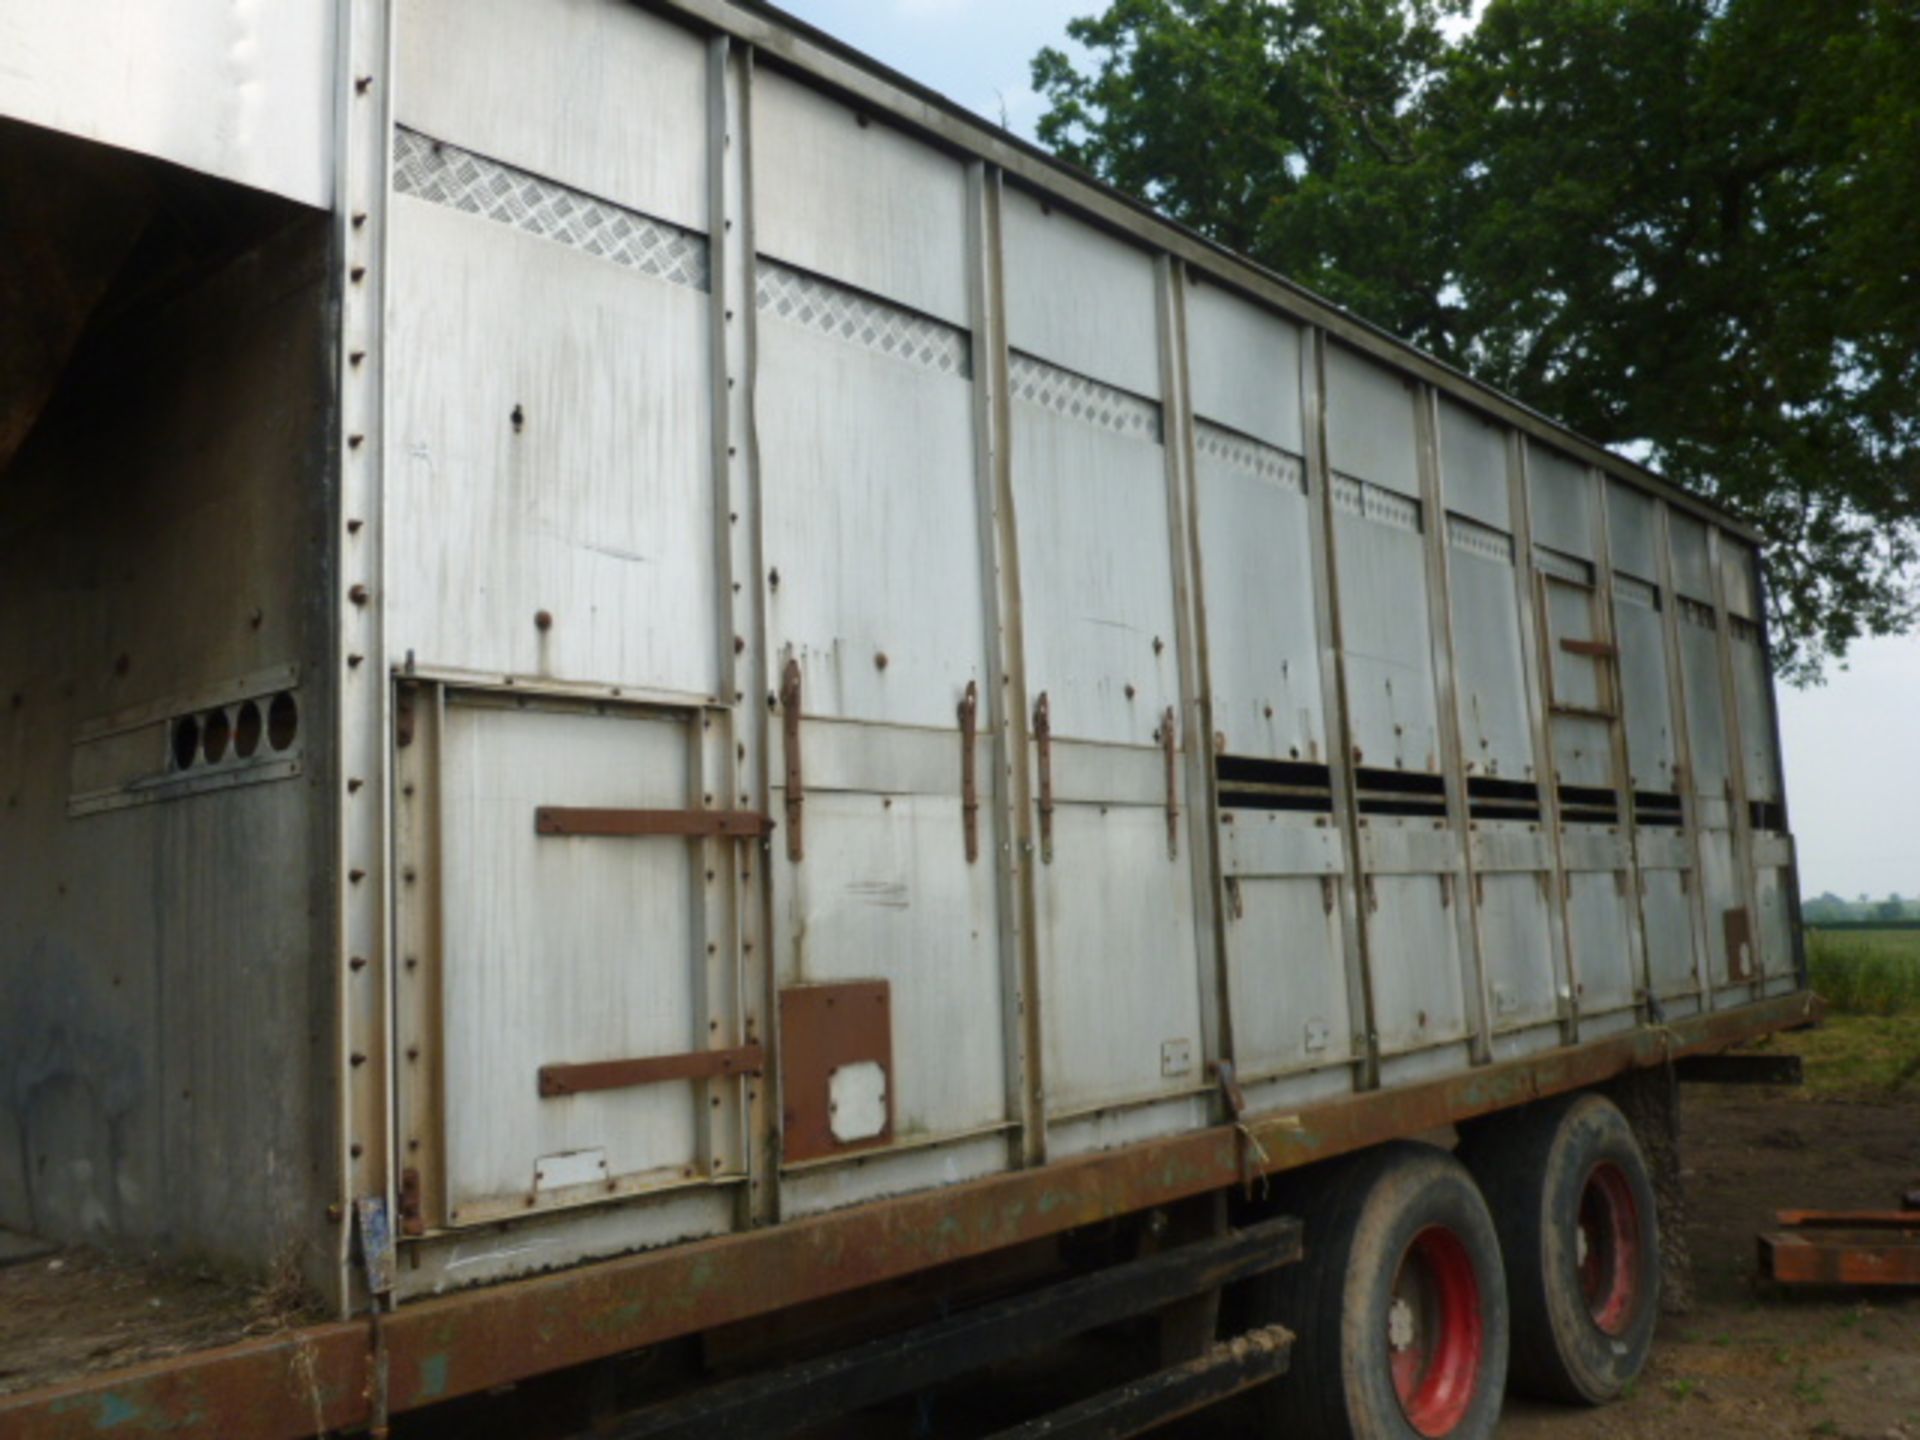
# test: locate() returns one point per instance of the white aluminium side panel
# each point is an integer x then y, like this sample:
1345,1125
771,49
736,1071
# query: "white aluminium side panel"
1384,628
1286,973
1645,695
841,196
1692,570
561,950
1753,702
239,90
886,893
1706,711
1597,921
1473,467
1079,298
1243,367
1489,668
871,520
1633,540
1562,495
1413,958
1370,423
596,94
1666,909
1517,942
594,507
1263,645
1119,976
1096,576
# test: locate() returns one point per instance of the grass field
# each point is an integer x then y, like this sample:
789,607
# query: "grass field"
1870,1044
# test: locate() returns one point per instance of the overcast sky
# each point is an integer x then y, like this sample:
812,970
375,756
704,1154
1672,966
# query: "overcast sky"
1852,746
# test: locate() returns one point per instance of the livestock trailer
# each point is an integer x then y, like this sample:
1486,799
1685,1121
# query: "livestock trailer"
653,682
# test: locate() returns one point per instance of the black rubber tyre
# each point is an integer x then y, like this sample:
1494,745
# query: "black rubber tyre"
1574,1206
1398,1308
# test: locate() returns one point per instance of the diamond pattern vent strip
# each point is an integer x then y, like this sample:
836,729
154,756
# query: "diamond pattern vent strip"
1376,503
1078,398
1477,539
1276,467
447,175
1569,568
1635,591
862,320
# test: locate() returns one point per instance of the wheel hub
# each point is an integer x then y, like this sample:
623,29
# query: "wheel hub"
1606,1247
1435,1335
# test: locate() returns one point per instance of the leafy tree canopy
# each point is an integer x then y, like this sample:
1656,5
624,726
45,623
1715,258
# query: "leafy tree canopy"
1688,228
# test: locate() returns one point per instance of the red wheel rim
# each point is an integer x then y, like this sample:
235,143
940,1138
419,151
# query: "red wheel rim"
1607,1248
1434,1332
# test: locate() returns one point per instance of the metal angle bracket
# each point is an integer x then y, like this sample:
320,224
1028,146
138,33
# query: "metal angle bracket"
375,1234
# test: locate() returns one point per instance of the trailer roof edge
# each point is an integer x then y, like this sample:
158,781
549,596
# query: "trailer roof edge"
794,43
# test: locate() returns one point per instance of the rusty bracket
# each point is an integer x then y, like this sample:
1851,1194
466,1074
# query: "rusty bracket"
1236,1099
404,699
699,824
969,780
1169,752
1592,649
790,737
1043,745
412,1221
558,1080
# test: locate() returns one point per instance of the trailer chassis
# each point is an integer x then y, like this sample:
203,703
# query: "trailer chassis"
354,1374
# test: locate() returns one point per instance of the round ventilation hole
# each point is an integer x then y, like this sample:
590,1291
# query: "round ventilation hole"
246,731
283,720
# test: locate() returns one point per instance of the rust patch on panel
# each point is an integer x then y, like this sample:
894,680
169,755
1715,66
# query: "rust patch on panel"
824,1028
1169,751
1043,747
734,824
558,1080
1739,932
790,738
969,781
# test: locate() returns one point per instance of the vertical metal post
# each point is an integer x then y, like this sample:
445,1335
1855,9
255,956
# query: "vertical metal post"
1791,880
1741,820
738,958
1005,693
1333,685
1473,968
1190,640
1683,755
1615,699
360,682
1536,665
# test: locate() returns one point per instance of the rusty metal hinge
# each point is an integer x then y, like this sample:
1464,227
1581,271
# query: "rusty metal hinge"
1169,750
1043,745
790,736
412,1221
403,705
969,780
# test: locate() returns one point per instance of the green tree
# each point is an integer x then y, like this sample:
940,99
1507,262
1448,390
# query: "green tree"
1689,228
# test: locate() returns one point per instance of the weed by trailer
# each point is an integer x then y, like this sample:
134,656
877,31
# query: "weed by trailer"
655,680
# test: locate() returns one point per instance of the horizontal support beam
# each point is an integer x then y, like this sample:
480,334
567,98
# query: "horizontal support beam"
558,1080
468,1342
800,1395
1592,649
1224,1371
697,824
1741,1070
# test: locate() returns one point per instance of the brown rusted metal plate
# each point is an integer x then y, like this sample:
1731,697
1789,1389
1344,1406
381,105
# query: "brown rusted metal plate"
1841,1257
823,1029
466,1343
1592,649
557,1080
1739,932
565,820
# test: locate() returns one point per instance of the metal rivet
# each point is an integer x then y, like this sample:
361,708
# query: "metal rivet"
357,594
357,274
358,962
363,84
543,619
